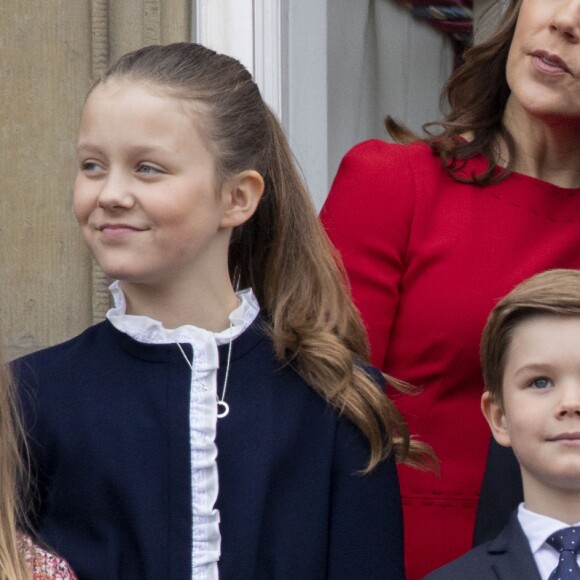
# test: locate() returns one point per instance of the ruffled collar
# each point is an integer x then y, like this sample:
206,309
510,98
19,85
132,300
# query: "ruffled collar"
149,330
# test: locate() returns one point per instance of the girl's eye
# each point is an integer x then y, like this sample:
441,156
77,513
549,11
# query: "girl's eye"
541,383
90,166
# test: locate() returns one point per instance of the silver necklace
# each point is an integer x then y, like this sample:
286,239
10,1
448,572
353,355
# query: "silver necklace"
223,408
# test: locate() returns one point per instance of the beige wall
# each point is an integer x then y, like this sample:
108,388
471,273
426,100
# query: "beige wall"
49,54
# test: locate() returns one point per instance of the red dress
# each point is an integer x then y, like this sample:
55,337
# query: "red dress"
427,258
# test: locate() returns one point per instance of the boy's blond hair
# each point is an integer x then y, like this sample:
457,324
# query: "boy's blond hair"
551,293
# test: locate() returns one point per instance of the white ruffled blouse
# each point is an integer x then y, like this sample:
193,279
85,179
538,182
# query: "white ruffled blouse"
202,412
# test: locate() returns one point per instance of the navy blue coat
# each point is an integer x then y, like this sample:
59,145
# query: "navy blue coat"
507,557
109,429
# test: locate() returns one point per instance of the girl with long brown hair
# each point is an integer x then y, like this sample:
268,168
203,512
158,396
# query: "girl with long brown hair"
432,232
222,420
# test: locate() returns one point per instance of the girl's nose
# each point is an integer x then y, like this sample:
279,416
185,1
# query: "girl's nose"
115,193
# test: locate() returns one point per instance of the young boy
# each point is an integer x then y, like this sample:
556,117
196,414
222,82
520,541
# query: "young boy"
530,355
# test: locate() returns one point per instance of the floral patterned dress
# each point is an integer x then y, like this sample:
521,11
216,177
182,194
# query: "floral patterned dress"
43,564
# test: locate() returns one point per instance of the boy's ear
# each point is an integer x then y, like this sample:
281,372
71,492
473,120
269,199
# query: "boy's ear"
241,195
495,417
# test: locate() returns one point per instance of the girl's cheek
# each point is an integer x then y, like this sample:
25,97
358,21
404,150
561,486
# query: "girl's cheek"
80,209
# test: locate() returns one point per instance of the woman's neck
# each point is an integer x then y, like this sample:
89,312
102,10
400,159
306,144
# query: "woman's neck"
198,305
547,149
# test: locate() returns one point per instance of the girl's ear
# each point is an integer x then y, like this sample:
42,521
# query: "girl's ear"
495,417
241,195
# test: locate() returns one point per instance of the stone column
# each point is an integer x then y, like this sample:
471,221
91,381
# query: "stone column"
50,53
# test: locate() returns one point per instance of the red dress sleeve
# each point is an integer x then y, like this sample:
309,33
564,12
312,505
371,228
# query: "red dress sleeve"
368,217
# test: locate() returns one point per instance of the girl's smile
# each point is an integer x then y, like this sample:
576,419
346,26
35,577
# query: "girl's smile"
115,231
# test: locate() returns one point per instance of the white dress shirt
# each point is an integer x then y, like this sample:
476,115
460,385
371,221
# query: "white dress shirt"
538,528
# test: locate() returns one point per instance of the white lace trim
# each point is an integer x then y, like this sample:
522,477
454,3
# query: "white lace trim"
202,412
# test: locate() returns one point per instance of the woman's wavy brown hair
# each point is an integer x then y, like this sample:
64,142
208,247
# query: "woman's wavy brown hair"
13,481
282,252
477,93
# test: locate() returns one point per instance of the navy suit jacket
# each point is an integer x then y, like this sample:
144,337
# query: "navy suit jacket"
507,557
501,492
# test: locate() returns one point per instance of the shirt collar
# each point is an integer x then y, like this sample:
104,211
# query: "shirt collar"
148,330
537,527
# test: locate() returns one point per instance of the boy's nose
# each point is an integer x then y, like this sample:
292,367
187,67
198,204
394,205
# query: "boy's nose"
570,398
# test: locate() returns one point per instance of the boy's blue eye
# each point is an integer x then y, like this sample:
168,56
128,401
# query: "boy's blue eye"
148,169
541,383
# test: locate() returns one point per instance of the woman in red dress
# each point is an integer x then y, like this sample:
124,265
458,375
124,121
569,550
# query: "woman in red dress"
434,232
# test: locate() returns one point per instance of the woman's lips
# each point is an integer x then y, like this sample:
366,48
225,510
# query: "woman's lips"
548,63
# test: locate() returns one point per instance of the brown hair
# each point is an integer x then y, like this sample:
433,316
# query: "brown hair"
551,293
13,481
477,93
282,252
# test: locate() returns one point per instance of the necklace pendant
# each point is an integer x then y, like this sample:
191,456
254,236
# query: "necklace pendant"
223,409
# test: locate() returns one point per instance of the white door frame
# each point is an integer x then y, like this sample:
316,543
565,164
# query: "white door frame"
276,41
249,30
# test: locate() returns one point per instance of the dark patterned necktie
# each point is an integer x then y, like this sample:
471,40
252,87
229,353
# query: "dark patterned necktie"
567,542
